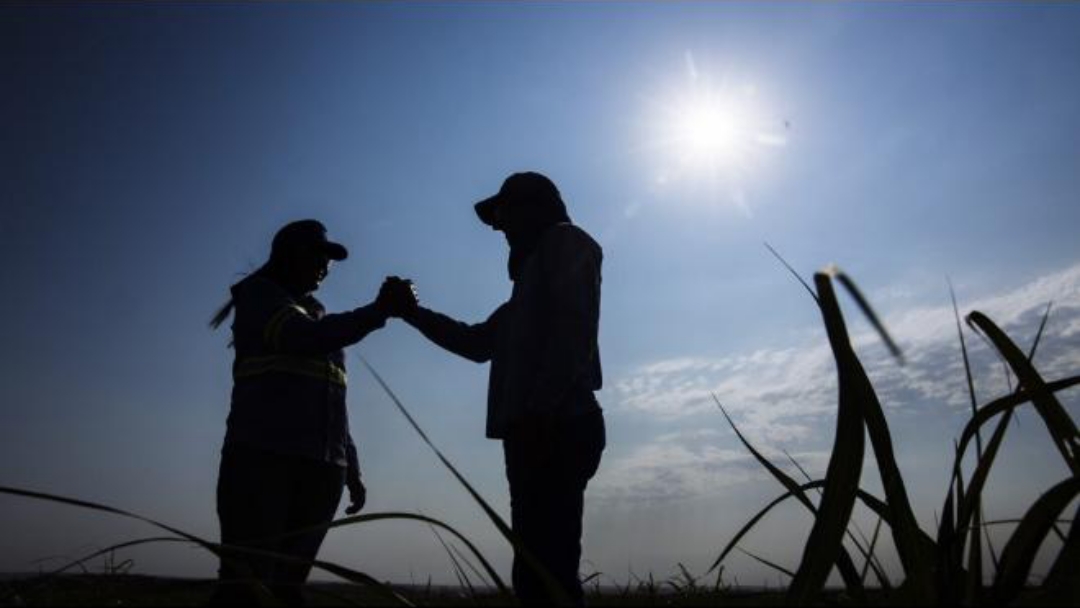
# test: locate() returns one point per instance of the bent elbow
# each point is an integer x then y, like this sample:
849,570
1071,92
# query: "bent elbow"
477,356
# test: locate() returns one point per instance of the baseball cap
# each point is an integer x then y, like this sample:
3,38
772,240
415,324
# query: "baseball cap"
527,187
310,234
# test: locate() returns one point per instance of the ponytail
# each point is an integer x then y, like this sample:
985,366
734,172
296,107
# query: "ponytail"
222,314
227,308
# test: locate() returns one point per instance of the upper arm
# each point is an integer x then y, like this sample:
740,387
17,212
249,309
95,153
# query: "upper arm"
276,322
287,314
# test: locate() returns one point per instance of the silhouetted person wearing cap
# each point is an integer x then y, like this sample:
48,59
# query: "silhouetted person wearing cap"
545,365
288,452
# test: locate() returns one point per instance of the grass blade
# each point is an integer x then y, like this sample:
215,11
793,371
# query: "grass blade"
463,578
917,551
873,545
843,560
755,519
868,312
948,569
824,545
1006,404
845,467
472,567
859,543
1057,420
222,551
396,515
990,547
982,471
213,548
784,479
969,513
1062,582
1039,334
967,368
1019,553
792,271
974,590
1009,522
874,504
768,563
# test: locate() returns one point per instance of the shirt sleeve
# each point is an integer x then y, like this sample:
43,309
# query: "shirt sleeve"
287,327
570,261
474,342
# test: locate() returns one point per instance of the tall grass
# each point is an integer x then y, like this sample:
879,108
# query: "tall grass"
934,567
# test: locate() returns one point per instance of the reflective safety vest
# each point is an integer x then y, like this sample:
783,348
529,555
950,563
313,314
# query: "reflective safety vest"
272,332
319,369
289,380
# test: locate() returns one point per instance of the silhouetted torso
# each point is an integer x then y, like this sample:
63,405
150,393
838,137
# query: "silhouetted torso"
542,343
290,383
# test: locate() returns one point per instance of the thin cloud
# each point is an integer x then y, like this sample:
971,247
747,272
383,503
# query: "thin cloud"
777,387
687,464
784,396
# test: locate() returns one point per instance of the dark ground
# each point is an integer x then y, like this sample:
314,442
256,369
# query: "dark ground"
139,590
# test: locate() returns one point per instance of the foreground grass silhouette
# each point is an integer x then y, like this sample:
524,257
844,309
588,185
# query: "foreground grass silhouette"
941,569
936,571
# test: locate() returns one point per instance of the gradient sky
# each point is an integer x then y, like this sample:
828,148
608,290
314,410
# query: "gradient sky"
149,152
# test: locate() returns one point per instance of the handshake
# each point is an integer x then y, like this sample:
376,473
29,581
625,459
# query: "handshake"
397,297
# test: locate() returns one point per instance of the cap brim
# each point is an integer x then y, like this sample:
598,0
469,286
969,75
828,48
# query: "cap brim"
485,209
335,251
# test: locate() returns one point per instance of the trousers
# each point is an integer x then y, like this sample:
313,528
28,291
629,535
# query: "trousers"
547,477
261,497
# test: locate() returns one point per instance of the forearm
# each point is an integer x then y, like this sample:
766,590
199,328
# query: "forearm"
469,341
352,459
331,332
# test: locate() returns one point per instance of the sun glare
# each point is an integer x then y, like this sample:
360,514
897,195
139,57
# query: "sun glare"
713,134
709,131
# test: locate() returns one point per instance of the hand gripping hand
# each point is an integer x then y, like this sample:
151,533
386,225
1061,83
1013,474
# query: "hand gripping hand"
397,296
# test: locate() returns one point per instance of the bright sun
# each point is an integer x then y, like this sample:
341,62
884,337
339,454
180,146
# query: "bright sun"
714,135
710,131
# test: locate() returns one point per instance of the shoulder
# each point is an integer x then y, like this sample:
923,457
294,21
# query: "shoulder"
259,292
569,239
312,306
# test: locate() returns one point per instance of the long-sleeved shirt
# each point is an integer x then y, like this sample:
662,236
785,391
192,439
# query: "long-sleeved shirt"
542,343
289,374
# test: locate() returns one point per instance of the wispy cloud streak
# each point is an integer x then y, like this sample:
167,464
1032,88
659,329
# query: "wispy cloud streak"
784,396
796,381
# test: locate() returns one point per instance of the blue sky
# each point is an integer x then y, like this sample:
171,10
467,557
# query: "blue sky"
151,150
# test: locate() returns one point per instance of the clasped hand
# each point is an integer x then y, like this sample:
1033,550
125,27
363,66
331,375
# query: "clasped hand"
397,296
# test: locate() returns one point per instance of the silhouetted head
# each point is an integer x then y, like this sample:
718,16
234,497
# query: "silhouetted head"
523,209
300,255
300,258
526,202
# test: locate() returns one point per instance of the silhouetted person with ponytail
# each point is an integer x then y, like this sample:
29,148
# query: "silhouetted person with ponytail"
288,453
545,365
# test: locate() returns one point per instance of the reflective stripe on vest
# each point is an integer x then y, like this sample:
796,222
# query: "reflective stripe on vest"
272,331
312,368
